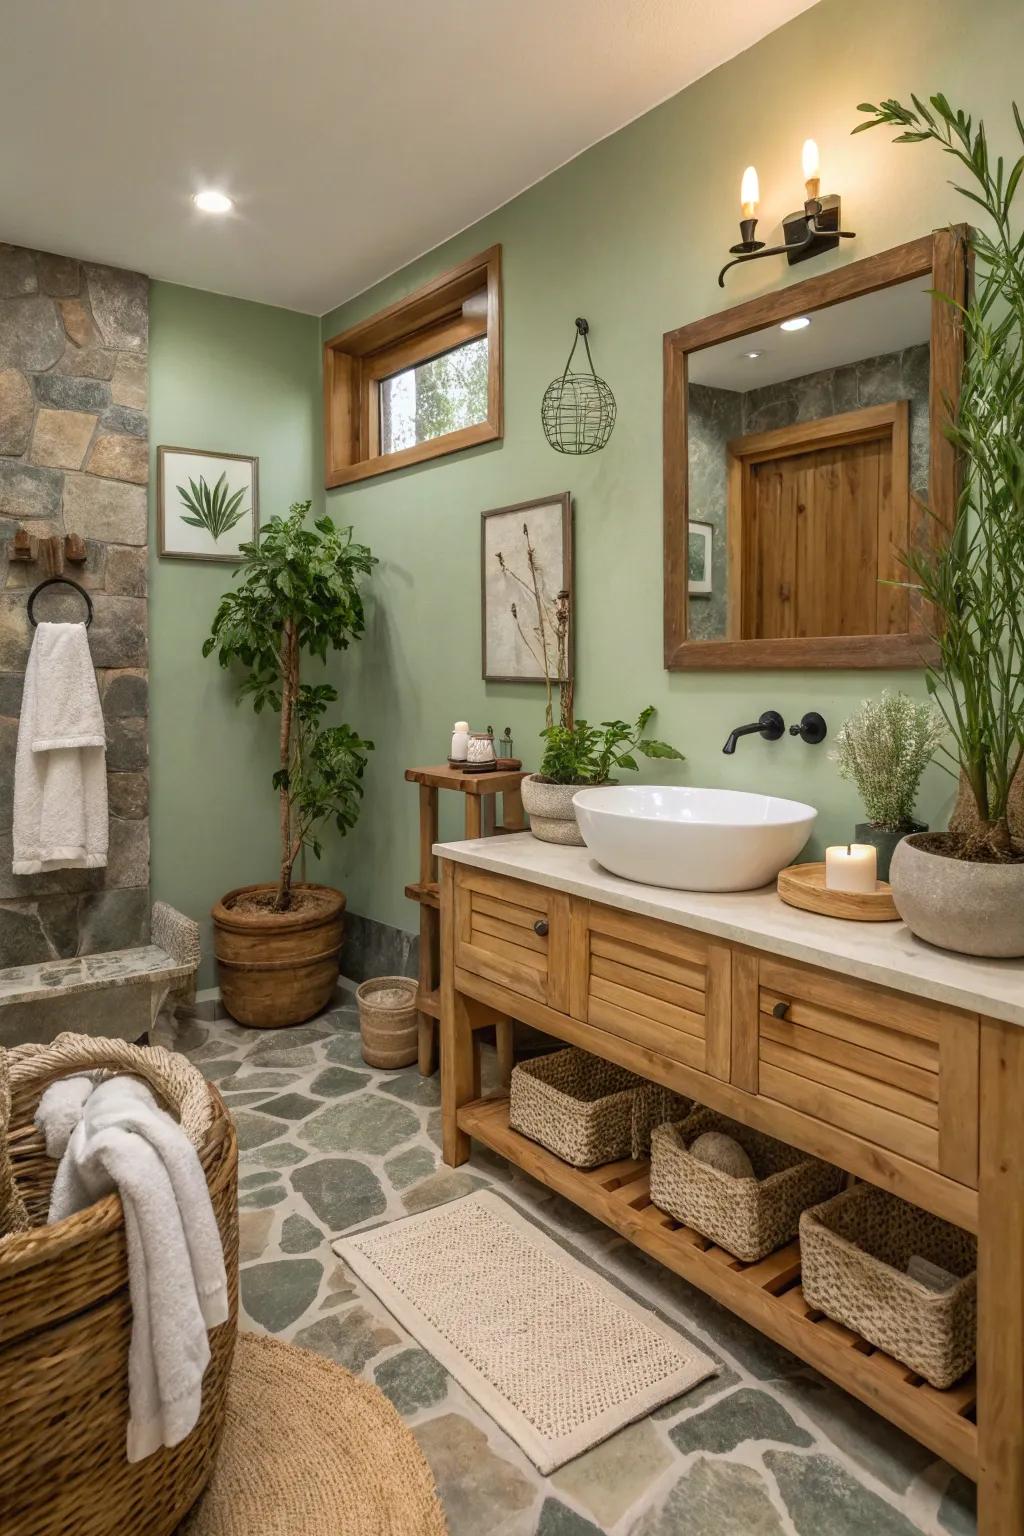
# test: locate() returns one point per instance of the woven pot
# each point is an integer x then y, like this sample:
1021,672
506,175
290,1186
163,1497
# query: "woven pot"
66,1319
576,1105
749,1218
387,1021
551,811
854,1253
971,908
277,968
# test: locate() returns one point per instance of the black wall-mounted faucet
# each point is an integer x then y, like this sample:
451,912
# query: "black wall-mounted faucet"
770,725
812,728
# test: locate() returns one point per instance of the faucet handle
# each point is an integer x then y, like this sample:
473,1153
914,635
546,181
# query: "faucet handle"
811,727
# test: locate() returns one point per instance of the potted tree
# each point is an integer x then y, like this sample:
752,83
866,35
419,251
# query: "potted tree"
885,748
277,944
964,889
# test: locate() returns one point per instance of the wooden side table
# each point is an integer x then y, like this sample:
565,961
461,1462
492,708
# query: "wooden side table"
481,791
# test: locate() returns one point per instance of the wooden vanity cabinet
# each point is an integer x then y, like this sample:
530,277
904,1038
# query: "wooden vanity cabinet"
883,1082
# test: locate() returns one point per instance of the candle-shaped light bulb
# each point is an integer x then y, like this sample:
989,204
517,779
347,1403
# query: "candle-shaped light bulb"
750,193
812,168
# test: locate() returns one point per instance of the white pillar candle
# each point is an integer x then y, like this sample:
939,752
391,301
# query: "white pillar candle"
851,867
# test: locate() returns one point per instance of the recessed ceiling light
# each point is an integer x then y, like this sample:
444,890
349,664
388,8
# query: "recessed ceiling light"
211,201
752,355
798,323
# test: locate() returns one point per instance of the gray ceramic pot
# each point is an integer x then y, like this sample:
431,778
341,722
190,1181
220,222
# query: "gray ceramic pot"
974,909
551,812
884,841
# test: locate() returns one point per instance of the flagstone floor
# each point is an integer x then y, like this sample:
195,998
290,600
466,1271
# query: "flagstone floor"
767,1448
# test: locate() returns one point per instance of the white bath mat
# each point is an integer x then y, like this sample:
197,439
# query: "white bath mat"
556,1355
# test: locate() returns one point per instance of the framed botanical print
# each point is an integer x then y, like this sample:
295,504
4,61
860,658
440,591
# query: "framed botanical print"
207,503
527,618
698,558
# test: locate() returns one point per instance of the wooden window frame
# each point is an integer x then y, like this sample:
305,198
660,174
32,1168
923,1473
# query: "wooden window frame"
944,258
421,326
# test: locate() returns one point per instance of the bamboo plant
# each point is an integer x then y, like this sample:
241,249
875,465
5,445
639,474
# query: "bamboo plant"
299,593
974,579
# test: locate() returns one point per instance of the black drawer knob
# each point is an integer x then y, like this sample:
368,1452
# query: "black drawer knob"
540,928
780,1010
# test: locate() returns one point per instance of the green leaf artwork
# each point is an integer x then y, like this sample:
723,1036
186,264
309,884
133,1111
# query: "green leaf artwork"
217,509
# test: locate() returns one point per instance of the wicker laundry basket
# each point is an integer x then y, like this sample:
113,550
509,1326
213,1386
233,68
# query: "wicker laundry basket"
577,1105
854,1253
66,1317
749,1218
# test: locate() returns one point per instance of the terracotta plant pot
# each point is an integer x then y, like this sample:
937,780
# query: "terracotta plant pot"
972,908
278,968
551,811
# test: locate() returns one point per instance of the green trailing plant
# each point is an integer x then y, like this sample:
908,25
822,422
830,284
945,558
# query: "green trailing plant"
586,754
974,579
884,749
299,593
213,509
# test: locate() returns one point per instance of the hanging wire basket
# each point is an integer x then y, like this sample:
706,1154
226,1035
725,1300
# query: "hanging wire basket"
578,410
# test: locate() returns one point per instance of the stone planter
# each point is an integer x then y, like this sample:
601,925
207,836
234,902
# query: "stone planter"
974,909
884,840
551,811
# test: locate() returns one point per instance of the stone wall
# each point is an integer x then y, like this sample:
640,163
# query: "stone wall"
74,458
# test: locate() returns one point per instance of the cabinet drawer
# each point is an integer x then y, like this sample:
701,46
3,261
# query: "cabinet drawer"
655,985
513,934
895,1070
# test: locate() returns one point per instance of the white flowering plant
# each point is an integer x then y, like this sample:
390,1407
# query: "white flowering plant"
884,749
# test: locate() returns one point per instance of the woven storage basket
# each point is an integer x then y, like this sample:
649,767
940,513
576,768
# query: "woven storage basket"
576,1105
387,1021
66,1317
654,1105
747,1217
854,1254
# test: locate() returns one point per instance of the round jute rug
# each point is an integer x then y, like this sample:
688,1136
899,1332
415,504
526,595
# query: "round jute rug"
310,1450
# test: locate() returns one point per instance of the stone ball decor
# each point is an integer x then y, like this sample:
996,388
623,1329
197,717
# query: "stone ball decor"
578,410
724,1153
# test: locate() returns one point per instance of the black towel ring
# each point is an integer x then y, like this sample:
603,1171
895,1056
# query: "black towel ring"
58,581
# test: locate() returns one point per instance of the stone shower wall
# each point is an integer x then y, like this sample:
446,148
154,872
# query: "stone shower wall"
74,458
716,415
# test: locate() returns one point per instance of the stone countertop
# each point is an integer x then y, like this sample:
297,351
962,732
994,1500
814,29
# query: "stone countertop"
886,953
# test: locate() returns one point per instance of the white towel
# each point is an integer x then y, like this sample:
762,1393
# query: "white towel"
123,1141
60,777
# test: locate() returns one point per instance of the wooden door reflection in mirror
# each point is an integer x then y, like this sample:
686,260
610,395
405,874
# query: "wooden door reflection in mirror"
802,458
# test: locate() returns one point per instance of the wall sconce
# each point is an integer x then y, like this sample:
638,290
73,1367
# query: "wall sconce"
807,233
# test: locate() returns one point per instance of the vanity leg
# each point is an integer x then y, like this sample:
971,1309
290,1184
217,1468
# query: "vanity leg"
1001,1283
460,1049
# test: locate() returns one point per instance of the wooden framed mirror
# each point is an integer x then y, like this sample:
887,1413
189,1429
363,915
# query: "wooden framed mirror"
803,452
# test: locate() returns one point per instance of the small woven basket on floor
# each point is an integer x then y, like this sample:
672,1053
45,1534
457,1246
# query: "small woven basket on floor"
749,1218
387,1021
66,1318
854,1253
576,1105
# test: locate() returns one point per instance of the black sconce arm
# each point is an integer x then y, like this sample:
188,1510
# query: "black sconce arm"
793,248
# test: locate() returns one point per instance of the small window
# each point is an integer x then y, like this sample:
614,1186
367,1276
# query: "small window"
420,379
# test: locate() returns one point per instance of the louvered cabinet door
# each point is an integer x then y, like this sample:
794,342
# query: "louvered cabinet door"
513,934
661,988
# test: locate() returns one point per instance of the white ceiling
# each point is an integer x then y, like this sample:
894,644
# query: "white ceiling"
353,135
871,326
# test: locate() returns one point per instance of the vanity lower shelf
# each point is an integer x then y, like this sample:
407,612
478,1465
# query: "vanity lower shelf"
766,1294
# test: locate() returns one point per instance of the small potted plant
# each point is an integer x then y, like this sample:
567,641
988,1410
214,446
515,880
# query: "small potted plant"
884,749
579,755
964,889
278,943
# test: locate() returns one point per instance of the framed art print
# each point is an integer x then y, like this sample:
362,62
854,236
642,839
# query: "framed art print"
525,563
698,558
207,503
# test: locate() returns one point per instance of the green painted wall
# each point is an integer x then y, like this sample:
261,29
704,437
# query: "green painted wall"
244,378
632,235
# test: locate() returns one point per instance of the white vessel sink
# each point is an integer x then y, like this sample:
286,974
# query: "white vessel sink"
692,839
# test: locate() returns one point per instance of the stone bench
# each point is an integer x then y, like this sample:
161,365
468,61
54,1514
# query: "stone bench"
121,993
